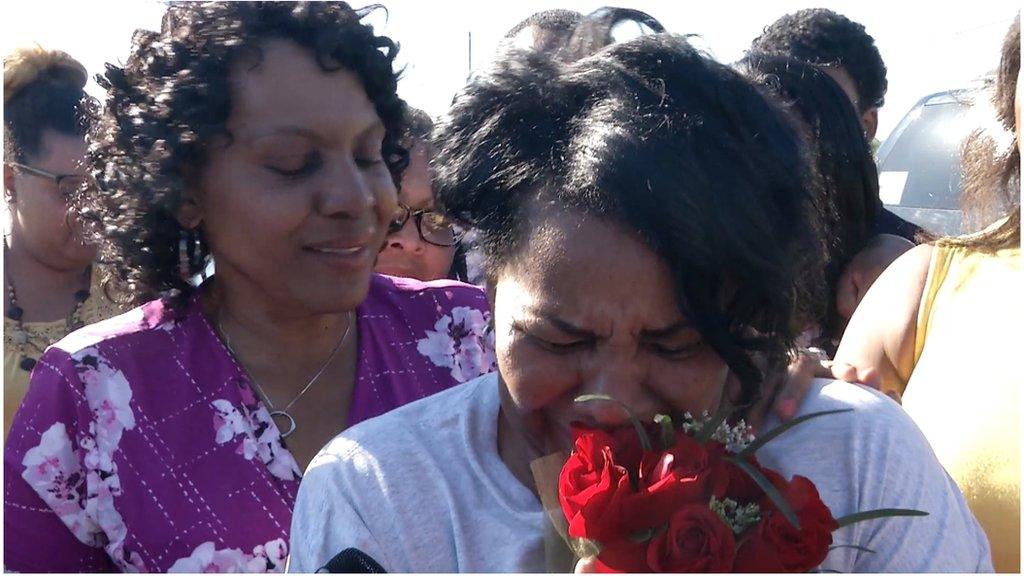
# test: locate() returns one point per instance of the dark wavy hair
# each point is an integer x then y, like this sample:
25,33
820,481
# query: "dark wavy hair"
173,96
43,90
569,35
678,149
843,159
992,176
822,37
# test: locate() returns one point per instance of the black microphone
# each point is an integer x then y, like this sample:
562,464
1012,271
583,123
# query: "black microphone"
352,561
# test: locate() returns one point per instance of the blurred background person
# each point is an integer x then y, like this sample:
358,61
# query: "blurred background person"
942,328
421,243
51,287
849,203
265,136
847,53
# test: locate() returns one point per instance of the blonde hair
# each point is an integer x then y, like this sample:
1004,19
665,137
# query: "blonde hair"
26,65
43,89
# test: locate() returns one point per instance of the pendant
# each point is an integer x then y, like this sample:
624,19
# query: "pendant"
288,418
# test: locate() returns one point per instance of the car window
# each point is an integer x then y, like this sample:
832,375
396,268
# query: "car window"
922,167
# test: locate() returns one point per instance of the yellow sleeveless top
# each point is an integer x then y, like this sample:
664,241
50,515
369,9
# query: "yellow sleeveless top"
41,335
964,391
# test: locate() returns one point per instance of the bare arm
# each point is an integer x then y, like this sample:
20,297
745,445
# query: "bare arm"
881,332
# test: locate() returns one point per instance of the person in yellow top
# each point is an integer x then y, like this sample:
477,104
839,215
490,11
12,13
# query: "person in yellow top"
48,279
942,327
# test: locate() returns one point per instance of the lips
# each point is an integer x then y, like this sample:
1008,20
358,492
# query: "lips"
348,254
347,251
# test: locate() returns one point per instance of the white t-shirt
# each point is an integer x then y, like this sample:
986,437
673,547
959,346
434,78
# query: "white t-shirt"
423,489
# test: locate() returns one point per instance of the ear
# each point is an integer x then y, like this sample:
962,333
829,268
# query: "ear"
190,213
9,192
869,120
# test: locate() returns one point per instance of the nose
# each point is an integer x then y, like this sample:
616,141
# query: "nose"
620,376
347,191
407,239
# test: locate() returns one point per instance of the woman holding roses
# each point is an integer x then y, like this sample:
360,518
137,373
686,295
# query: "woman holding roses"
650,236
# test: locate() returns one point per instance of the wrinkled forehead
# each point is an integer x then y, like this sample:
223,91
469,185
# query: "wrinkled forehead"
572,261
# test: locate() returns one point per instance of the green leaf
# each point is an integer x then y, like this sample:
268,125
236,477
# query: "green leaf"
854,546
642,536
645,441
668,433
708,430
874,514
768,488
783,428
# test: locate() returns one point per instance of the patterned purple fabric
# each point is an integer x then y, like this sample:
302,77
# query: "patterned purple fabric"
141,446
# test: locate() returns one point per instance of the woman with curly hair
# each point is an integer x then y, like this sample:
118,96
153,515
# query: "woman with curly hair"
942,326
264,136
51,287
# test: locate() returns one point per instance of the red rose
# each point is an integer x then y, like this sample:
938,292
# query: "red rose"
687,473
774,545
591,486
697,540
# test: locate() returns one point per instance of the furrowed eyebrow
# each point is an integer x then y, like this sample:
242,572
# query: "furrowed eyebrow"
667,331
563,325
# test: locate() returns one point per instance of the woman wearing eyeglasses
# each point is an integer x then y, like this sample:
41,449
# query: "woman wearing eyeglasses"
48,276
421,243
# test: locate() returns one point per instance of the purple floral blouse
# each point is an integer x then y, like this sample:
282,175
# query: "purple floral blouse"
141,446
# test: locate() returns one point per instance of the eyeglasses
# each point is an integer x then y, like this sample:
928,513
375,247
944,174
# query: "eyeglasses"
432,226
67,184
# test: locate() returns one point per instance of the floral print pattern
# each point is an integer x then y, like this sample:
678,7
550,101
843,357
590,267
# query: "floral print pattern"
53,470
260,437
269,557
141,446
462,342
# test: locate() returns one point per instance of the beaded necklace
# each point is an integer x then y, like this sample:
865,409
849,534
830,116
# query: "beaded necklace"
24,339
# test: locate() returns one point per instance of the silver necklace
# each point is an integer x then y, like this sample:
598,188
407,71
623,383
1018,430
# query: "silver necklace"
283,413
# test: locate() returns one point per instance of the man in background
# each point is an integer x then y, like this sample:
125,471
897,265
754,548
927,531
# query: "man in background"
847,53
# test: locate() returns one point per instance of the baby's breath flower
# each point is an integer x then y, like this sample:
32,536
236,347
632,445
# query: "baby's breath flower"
737,517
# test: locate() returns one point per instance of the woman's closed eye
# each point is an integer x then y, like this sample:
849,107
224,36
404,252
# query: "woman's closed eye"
562,347
675,351
559,344
369,160
295,166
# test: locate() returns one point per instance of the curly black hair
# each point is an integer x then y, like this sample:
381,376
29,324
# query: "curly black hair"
822,37
682,151
173,96
850,203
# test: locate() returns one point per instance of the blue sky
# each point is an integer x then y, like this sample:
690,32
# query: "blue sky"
928,47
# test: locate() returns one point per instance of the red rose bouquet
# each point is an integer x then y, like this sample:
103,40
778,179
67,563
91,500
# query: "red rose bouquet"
697,501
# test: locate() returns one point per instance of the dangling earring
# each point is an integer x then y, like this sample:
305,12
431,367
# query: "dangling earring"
183,259
198,260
